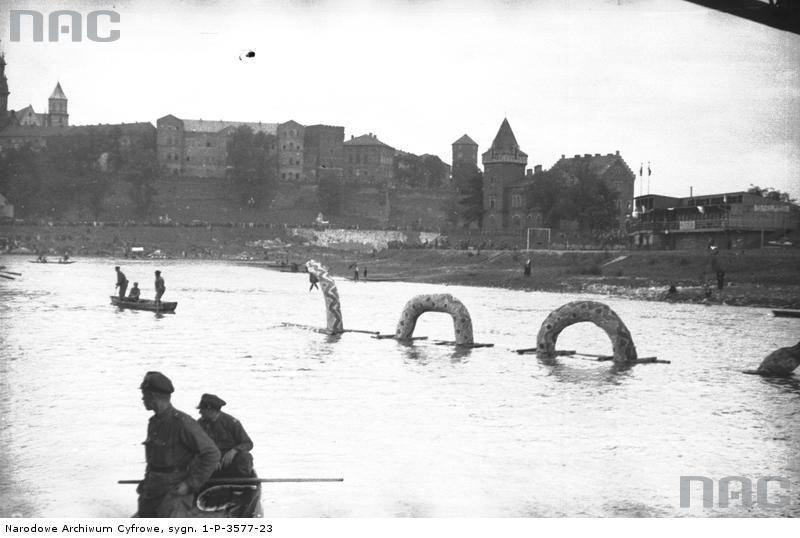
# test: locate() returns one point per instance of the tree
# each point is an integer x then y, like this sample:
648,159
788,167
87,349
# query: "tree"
253,165
141,170
551,196
577,194
469,185
21,180
329,193
770,193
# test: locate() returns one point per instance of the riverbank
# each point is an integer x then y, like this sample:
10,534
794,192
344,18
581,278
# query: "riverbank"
765,278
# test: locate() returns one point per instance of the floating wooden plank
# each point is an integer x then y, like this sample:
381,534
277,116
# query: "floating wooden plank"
452,343
379,336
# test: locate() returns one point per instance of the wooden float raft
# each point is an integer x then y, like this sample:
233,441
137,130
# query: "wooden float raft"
599,358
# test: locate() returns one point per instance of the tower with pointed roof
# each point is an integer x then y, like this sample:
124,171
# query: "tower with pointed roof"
57,111
4,119
503,164
465,150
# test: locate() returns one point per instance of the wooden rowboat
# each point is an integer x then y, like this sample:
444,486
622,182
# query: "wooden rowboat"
786,313
237,498
144,304
53,263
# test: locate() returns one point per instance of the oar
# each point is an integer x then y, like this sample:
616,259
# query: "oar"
6,276
251,480
10,272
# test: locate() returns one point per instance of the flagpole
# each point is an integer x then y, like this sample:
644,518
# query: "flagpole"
641,180
648,178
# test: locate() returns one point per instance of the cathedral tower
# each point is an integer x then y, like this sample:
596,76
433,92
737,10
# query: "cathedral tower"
57,113
503,165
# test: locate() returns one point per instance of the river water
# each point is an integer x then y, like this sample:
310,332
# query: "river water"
420,430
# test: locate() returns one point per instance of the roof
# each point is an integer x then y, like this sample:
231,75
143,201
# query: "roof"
505,139
58,93
505,144
206,126
34,131
597,164
367,140
465,140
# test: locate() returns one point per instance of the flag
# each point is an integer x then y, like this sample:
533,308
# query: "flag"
648,169
640,170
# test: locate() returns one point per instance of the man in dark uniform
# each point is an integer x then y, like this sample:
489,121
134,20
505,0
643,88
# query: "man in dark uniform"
180,456
122,283
160,288
228,433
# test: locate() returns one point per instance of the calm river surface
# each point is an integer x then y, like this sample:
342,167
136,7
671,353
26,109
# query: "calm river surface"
415,431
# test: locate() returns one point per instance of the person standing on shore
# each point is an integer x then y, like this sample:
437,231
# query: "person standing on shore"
527,269
122,283
180,456
717,269
160,287
355,272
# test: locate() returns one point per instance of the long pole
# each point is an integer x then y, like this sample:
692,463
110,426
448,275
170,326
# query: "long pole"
250,480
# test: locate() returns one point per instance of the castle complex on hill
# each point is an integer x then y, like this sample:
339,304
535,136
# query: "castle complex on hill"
197,148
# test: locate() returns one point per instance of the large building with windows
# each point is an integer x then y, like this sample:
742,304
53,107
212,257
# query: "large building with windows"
367,160
730,220
198,148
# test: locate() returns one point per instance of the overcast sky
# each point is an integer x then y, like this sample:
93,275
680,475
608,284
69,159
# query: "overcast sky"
711,100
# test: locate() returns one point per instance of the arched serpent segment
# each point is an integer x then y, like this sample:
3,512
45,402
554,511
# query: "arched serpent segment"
444,302
577,312
328,286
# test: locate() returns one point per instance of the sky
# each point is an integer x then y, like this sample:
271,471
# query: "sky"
711,101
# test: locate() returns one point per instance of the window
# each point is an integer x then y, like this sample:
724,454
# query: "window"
491,180
297,175
515,221
492,202
283,176
516,200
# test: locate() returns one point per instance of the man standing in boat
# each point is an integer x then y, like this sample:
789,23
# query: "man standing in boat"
160,288
180,456
228,433
122,283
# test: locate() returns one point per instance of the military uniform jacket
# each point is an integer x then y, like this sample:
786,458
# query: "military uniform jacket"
175,442
227,433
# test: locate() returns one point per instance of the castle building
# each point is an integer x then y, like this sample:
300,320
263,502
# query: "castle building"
56,116
368,160
503,165
323,154
291,141
610,169
508,201
198,148
465,150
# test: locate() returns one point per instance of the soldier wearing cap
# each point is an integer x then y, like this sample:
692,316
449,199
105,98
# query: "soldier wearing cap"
228,433
122,283
180,456
160,287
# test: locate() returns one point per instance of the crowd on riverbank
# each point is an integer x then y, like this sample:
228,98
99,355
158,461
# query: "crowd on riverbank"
766,277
